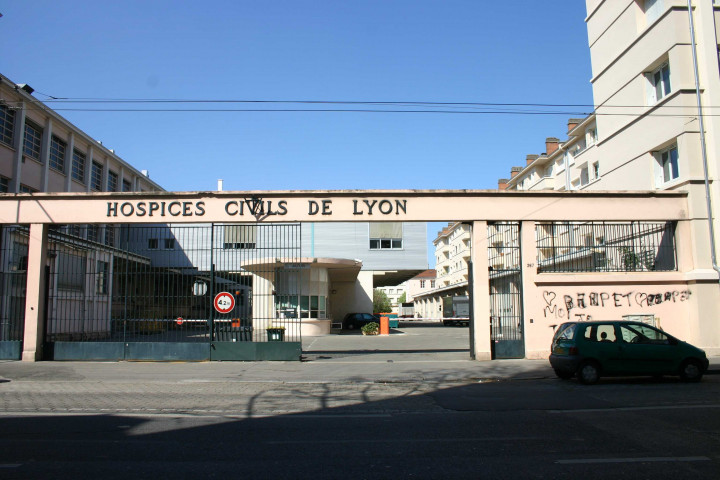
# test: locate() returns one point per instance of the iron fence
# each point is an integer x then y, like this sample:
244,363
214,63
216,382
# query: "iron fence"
606,247
13,279
506,329
157,283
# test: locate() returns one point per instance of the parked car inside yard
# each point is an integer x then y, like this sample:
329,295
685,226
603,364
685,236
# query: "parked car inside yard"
357,320
590,350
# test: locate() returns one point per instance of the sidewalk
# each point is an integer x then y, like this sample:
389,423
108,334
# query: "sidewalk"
365,369
343,370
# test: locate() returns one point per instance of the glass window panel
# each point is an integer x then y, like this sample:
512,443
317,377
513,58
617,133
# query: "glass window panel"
78,166
666,79
7,125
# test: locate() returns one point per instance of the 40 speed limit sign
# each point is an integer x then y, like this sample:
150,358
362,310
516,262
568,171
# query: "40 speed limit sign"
224,302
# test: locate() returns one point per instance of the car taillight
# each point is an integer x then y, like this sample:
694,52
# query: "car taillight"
573,351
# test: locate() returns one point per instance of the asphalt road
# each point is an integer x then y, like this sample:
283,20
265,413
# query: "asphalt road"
622,428
407,406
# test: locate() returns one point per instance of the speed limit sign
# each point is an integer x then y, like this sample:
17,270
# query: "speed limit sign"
224,302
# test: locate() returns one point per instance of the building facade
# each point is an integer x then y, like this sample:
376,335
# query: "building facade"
452,253
655,80
328,269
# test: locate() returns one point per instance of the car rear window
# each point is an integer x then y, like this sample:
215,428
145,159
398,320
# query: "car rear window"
566,331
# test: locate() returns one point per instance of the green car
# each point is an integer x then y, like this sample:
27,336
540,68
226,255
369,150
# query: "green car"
590,350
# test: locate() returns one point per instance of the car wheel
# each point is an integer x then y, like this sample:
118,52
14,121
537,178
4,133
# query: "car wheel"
588,373
563,374
351,326
691,371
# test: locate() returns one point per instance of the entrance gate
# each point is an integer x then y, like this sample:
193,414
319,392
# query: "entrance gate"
506,328
146,292
13,277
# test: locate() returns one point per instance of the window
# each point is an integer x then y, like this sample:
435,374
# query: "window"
112,181
653,9
74,230
152,243
591,136
169,244
102,277
432,283
584,176
4,182
386,236
643,334
33,141
667,161
312,306
70,271
96,178
78,166
7,125
93,233
422,283
601,333
126,186
596,170
25,189
659,83
110,235
239,237
57,154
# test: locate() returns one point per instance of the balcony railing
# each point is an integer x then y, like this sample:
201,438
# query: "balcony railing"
608,247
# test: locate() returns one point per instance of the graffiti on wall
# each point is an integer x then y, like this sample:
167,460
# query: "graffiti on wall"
573,306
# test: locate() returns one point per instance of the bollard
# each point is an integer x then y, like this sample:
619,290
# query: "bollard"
384,326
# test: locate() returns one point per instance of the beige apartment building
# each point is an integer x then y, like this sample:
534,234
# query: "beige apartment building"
452,253
656,87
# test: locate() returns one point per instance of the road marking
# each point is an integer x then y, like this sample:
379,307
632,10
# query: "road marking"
406,440
633,409
632,460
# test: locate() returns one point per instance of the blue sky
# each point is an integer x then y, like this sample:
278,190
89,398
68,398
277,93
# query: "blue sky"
365,50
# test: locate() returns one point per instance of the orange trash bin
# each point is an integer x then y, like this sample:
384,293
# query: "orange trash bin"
384,325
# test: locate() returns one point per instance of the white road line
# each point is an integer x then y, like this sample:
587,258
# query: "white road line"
633,409
632,460
406,440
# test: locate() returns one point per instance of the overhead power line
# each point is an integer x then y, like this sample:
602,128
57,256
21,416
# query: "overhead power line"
344,102
68,104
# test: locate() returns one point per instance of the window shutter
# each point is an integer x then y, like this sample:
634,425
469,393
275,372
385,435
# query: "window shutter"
240,233
386,230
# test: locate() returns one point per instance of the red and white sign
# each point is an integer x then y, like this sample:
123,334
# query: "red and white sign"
224,302
179,320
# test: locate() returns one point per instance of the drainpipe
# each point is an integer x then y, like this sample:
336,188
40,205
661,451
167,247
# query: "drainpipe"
702,142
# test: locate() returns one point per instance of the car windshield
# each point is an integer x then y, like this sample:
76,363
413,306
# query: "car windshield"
643,334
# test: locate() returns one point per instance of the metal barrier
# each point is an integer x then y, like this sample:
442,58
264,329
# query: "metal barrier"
13,279
506,328
606,247
150,289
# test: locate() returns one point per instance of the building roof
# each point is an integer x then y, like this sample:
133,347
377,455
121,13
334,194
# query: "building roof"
426,274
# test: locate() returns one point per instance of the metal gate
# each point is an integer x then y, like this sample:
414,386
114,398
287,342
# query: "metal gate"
13,279
147,292
506,316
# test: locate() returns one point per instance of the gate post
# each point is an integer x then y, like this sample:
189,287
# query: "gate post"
480,291
35,293
529,291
